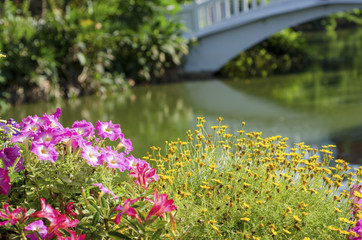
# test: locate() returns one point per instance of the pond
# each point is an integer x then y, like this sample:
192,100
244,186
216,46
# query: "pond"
322,105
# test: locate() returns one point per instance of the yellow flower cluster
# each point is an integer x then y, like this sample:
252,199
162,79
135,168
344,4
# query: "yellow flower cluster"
249,187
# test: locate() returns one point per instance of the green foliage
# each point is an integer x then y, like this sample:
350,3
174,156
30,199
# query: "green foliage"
244,186
81,47
284,52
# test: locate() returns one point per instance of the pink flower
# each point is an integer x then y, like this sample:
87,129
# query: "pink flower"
10,216
44,151
114,159
57,221
4,181
352,190
46,212
144,174
39,227
357,229
9,157
126,143
108,130
48,136
70,210
161,204
53,119
83,128
73,236
126,209
104,189
92,155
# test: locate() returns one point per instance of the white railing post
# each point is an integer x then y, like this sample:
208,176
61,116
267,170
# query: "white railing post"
236,7
245,5
218,12
254,5
195,16
227,8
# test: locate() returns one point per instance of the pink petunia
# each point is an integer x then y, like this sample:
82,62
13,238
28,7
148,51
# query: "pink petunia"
108,130
104,189
10,155
83,128
11,217
48,136
144,174
92,155
126,143
114,159
357,229
53,119
161,204
44,151
126,209
39,227
4,181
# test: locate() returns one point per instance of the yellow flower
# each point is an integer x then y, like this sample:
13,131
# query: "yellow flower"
2,55
296,218
286,231
245,219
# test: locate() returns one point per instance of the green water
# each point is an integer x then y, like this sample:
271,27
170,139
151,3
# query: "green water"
320,106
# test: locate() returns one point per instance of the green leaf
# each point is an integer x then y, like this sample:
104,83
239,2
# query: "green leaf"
95,219
117,235
157,234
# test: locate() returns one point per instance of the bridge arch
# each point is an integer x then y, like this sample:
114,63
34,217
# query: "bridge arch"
224,40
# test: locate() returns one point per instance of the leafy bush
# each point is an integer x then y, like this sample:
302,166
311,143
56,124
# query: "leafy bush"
281,53
244,186
81,47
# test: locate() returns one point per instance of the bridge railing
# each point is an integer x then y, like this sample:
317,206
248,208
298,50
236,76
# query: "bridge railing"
204,13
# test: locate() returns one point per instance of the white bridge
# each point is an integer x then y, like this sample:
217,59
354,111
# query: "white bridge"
225,28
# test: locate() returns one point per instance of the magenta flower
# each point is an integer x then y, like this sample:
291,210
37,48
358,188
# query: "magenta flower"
144,174
126,209
53,119
71,137
46,212
161,204
48,136
9,157
57,221
91,154
70,210
4,181
83,128
10,216
114,159
39,227
127,144
44,151
73,236
104,189
108,130
357,229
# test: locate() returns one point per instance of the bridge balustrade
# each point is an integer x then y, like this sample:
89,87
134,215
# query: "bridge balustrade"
204,13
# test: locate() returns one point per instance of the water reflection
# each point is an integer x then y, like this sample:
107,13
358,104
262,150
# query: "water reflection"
316,107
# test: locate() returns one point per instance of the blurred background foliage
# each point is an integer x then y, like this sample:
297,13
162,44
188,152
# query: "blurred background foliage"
69,48
287,51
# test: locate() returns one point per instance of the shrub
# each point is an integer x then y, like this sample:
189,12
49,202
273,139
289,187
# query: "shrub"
244,186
